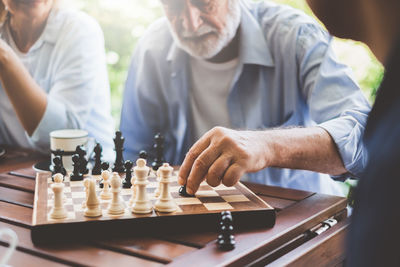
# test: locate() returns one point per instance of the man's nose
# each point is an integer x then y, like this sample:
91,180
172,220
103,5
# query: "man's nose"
191,17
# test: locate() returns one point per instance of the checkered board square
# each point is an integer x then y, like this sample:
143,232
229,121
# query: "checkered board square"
208,200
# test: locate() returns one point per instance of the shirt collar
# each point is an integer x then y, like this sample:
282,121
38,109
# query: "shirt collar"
51,31
49,34
53,26
253,48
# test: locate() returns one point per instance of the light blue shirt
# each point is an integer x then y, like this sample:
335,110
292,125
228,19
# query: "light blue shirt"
288,76
68,63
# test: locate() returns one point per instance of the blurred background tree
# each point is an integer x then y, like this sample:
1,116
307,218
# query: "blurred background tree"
124,21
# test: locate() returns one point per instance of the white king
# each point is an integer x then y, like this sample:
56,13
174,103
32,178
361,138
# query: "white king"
165,202
142,202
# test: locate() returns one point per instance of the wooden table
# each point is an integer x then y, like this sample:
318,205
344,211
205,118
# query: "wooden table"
288,242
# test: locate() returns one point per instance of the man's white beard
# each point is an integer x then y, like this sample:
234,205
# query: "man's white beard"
211,46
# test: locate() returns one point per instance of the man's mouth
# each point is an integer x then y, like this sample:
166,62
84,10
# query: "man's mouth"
198,38
29,2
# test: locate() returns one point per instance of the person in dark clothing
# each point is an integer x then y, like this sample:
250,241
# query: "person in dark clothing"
374,233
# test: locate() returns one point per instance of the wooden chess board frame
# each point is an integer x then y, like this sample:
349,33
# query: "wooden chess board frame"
200,213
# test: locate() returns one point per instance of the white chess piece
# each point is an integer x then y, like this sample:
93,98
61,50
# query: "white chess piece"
134,189
116,206
165,203
92,203
86,182
142,202
105,193
158,190
59,178
58,211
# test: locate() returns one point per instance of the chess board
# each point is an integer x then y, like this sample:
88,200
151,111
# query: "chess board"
197,213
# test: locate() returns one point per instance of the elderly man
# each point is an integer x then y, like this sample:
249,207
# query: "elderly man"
244,88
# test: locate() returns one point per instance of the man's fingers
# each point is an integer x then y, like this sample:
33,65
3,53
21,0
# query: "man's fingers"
200,169
233,175
191,156
217,171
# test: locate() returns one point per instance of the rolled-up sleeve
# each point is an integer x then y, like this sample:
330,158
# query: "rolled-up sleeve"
335,100
53,118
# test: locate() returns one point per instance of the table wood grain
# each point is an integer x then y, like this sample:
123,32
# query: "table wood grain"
287,243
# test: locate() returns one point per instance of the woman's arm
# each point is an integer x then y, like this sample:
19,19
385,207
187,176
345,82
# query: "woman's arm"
27,98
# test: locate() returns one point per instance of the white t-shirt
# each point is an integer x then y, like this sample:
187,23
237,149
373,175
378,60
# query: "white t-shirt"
68,63
211,83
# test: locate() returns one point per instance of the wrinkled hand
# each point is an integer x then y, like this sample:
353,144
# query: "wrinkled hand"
223,155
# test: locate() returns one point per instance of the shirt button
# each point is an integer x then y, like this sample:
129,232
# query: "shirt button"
173,75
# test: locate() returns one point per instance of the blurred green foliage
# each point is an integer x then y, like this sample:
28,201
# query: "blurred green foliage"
124,21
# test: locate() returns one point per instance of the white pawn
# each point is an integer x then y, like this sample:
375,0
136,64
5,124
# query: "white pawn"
58,178
165,203
86,184
105,193
116,206
158,190
58,211
142,203
134,189
92,202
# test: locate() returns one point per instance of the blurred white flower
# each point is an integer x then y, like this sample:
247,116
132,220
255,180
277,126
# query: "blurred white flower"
112,58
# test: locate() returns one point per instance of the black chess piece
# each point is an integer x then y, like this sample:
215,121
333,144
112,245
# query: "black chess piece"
226,240
119,148
183,192
81,151
57,152
143,154
159,149
104,166
128,174
58,166
76,174
97,159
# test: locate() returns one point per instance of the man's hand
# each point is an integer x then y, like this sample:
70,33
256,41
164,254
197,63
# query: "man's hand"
223,155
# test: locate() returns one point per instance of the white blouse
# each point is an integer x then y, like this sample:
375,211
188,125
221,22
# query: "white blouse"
68,63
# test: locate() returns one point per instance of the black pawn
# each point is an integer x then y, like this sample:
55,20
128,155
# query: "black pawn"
159,149
104,166
76,174
97,159
58,166
119,148
143,154
128,174
226,240
226,218
183,192
81,151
